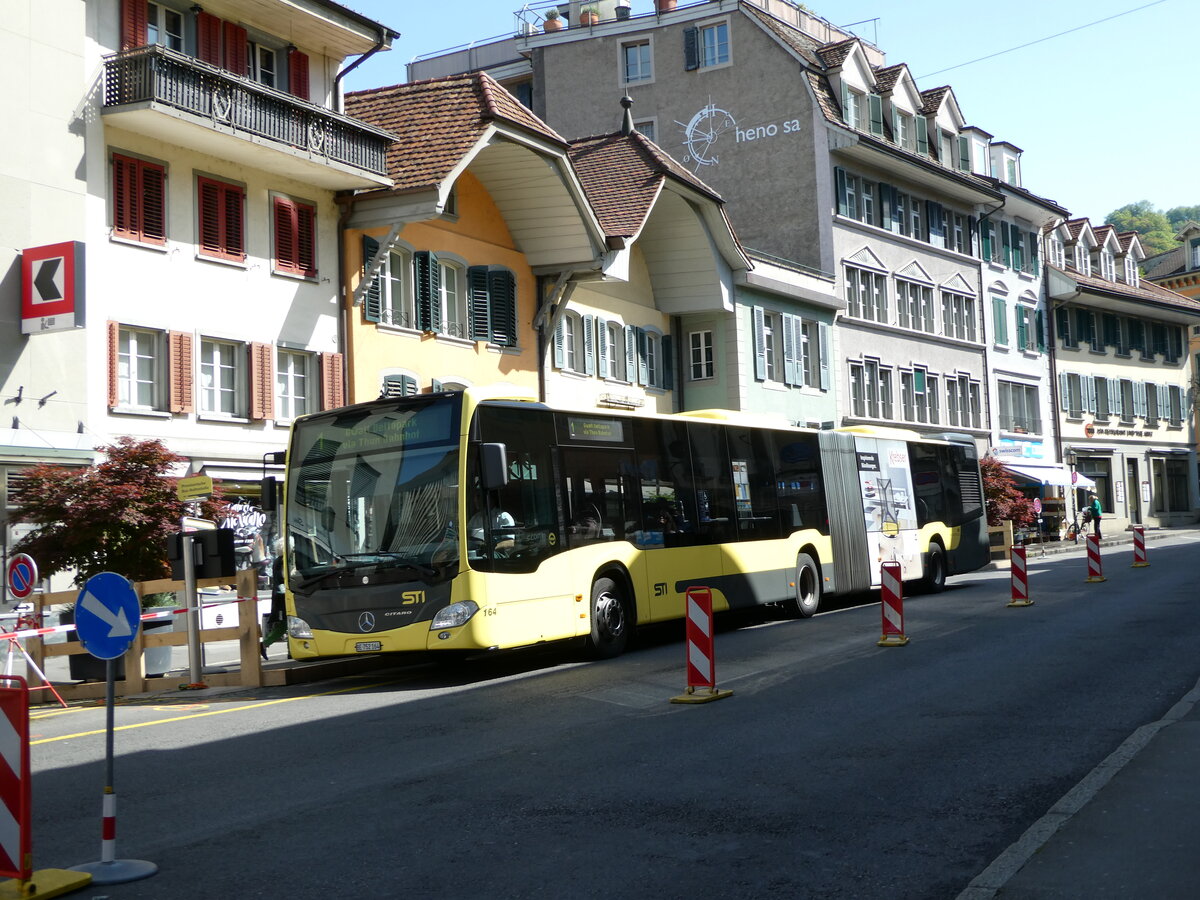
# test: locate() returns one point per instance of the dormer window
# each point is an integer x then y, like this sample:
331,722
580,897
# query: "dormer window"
1083,262
1010,171
853,107
1131,271
1195,253
1108,269
906,136
1055,247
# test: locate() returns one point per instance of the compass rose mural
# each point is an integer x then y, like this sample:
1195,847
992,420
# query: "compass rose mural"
701,134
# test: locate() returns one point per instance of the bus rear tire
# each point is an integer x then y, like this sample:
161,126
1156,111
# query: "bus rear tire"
612,620
935,570
808,587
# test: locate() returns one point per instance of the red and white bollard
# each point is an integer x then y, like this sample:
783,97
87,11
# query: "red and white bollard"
1139,547
1095,570
14,786
1020,578
701,659
891,602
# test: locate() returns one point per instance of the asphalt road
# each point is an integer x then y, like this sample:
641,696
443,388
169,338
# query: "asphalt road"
838,769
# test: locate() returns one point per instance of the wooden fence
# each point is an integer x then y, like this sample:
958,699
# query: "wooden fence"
250,674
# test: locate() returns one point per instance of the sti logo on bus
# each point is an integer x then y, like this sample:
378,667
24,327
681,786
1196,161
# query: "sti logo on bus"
660,589
409,598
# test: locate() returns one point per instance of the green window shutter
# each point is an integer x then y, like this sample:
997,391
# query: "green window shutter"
668,362
789,350
1006,244
602,369
1062,392
691,49
823,331
760,347
922,135
1062,321
999,320
478,304
1041,331
839,177
1034,261
876,104
985,233
643,363
427,281
502,295
630,354
964,154
589,345
373,296
559,355
1022,332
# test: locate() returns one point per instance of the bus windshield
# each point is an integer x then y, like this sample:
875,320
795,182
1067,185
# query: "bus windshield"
373,490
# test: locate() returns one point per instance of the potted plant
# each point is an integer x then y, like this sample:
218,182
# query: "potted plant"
663,6
552,21
589,15
622,10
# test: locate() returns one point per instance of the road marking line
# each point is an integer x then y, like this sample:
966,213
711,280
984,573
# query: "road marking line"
213,712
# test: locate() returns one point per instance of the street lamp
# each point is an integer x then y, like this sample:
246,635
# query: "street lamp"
1071,458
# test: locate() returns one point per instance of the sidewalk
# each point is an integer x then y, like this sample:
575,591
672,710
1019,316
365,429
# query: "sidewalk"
1035,550
1130,828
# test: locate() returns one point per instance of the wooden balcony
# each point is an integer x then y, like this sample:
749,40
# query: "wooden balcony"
190,103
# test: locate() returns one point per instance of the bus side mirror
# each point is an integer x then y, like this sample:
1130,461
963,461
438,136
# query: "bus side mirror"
270,499
493,466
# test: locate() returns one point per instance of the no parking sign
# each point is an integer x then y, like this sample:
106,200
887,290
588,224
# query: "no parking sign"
22,575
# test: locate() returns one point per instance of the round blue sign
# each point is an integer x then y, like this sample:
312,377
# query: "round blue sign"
107,615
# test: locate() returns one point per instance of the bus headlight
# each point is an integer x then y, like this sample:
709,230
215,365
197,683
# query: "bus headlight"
298,628
454,615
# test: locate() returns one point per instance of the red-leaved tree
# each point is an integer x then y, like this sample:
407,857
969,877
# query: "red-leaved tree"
113,516
1002,497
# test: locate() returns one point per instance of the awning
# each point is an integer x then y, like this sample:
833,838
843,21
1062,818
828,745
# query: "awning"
1058,475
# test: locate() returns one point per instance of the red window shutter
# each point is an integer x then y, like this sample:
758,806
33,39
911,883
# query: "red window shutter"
234,50
306,239
332,384
298,74
124,180
153,206
139,200
295,238
180,360
208,38
133,24
285,235
114,353
262,381
220,219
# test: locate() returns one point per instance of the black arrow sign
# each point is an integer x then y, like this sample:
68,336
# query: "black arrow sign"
44,280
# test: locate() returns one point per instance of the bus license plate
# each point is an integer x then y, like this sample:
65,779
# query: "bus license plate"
368,646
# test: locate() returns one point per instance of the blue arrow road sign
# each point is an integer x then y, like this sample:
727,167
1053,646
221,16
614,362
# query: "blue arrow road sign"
107,615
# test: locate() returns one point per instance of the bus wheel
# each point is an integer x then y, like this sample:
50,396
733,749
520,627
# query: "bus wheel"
935,570
611,620
808,587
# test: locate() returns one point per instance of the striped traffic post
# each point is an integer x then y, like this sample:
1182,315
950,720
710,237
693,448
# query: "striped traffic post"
1095,569
1020,578
16,853
1139,547
701,660
891,597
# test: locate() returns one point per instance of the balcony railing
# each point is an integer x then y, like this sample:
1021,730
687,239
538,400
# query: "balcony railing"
155,74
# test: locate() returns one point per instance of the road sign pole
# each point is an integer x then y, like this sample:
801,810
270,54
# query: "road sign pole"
191,602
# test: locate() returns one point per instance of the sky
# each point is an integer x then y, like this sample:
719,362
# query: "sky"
1102,111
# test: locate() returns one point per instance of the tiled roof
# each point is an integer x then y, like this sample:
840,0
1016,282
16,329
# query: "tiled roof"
1101,232
885,79
1173,262
804,46
437,122
1074,227
622,174
933,99
833,55
1145,290
1125,239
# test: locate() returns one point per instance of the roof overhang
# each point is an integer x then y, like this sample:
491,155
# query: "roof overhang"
1063,287
321,25
1056,474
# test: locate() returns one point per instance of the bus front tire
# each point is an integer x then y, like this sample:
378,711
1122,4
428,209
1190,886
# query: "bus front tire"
935,570
611,619
808,587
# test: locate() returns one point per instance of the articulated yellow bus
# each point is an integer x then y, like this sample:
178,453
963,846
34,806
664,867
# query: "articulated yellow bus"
454,521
